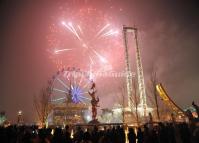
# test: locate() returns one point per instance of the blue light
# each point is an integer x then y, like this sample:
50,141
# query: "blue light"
76,94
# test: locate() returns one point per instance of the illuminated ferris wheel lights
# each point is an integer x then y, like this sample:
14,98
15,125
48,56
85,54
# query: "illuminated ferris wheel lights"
55,89
85,98
82,101
72,88
63,83
54,100
76,92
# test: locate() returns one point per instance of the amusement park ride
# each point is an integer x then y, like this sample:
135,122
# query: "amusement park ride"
140,76
142,108
73,93
169,102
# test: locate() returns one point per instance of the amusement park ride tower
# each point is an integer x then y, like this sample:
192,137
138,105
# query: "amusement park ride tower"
140,77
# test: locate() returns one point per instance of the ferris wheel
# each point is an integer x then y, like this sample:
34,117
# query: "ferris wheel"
70,86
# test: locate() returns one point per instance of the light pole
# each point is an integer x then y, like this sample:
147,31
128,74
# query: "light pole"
19,117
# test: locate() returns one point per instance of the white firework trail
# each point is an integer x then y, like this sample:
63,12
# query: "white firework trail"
100,34
100,57
80,29
70,27
109,33
102,29
61,50
75,32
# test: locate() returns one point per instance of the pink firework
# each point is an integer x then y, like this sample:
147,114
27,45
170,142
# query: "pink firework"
85,38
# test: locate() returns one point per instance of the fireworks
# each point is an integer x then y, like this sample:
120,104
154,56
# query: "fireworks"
77,30
90,37
61,50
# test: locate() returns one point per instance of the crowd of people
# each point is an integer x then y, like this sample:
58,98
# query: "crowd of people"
159,133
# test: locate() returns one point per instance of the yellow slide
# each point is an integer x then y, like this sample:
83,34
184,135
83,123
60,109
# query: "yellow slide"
168,101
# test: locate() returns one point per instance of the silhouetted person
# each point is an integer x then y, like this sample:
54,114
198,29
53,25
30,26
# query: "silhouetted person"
86,137
67,137
146,135
131,136
58,136
78,136
171,133
185,134
163,134
153,136
120,135
95,135
195,136
140,136
196,107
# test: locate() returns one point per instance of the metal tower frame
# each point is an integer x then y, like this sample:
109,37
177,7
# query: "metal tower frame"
140,75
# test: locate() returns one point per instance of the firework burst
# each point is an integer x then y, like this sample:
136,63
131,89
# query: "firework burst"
85,38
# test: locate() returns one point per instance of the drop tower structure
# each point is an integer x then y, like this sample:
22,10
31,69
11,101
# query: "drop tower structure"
142,105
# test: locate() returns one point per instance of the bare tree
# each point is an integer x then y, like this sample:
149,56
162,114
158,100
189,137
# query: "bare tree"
42,105
153,80
134,96
121,101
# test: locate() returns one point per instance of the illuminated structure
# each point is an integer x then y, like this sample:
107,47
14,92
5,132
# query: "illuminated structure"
70,85
175,109
68,113
69,96
141,86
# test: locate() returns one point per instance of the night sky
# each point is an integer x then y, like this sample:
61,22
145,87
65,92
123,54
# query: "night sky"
169,40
